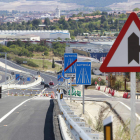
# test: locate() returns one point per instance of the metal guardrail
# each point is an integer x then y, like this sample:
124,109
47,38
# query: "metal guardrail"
77,128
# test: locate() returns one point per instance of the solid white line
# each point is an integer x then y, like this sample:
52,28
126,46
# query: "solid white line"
104,93
129,109
10,112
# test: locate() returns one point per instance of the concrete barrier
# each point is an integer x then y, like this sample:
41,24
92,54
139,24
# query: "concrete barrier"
38,81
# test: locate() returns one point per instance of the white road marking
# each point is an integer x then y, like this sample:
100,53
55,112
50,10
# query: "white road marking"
105,94
124,105
129,109
10,112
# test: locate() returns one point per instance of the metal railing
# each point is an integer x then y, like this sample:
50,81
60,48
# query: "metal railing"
77,128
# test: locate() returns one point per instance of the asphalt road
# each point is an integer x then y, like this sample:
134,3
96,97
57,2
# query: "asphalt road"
33,119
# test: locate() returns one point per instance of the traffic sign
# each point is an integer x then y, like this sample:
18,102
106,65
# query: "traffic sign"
95,82
64,75
99,79
83,73
28,78
17,77
60,78
24,62
124,54
70,60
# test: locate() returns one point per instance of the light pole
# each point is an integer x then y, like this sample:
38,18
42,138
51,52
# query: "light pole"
5,65
43,60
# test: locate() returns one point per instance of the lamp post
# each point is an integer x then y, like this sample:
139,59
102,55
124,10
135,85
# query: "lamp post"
5,65
43,60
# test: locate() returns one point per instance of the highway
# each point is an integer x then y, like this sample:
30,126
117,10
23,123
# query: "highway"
26,117
31,117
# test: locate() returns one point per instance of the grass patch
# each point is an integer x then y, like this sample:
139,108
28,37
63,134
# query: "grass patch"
47,64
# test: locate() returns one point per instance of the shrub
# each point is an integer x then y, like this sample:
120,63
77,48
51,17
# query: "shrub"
29,63
46,53
102,82
32,64
19,60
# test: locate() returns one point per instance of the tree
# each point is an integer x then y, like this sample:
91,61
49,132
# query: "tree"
23,23
47,21
136,9
116,23
122,15
53,65
46,53
103,19
36,22
91,26
9,43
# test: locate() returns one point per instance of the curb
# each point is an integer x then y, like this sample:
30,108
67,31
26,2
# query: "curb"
56,127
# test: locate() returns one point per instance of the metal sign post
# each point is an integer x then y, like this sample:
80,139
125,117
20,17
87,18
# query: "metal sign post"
133,110
67,88
83,99
70,90
83,75
5,67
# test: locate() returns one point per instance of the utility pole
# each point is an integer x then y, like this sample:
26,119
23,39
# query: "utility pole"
43,60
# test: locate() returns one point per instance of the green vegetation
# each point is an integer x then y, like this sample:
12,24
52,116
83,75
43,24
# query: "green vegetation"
105,22
136,9
24,49
47,64
29,63
102,82
58,48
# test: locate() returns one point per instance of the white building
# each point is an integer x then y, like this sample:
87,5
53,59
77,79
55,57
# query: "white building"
43,34
57,12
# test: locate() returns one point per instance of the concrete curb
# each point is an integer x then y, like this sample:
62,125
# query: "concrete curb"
22,86
56,128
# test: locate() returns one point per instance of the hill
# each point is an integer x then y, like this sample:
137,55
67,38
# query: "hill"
86,3
93,3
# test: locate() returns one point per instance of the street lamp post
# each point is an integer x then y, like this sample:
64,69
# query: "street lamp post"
43,60
5,65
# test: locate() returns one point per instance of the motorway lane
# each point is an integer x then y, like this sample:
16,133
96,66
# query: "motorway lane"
31,121
17,81
47,78
9,102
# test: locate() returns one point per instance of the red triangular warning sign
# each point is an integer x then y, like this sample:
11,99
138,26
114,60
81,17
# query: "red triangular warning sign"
124,54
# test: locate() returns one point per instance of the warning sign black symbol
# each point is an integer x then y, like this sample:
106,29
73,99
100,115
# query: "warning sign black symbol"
133,48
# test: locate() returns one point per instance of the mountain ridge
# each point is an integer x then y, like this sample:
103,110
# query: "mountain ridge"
86,3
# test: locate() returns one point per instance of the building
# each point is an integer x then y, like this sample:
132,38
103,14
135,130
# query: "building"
28,37
57,12
43,34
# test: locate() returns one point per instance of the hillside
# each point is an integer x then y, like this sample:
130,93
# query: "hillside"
93,3
86,3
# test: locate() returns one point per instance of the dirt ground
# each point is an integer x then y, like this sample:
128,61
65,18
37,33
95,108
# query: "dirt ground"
91,115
